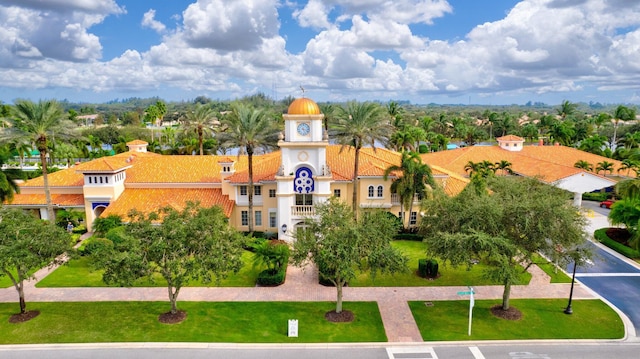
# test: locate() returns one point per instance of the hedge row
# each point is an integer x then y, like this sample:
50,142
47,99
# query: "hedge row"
598,197
601,236
271,278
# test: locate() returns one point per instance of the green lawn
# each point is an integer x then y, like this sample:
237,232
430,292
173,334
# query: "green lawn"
449,276
78,273
541,319
229,322
557,276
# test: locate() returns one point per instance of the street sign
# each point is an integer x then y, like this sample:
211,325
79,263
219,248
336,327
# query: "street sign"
464,293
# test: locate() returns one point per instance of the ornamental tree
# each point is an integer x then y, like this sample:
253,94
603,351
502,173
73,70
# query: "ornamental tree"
26,245
505,226
193,244
339,245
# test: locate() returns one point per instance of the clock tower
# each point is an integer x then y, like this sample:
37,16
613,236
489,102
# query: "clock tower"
304,178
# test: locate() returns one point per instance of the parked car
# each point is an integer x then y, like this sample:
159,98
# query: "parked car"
607,203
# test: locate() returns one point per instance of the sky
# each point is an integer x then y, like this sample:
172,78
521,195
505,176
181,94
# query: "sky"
489,52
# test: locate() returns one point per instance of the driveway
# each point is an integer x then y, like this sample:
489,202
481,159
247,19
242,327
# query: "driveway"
611,275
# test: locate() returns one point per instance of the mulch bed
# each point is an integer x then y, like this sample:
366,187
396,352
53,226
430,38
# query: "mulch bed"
620,235
170,318
509,314
345,316
24,317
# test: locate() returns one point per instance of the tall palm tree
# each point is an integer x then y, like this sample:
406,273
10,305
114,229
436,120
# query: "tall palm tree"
358,125
621,114
40,122
249,129
416,178
202,121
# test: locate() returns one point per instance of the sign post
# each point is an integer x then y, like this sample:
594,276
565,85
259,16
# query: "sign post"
471,304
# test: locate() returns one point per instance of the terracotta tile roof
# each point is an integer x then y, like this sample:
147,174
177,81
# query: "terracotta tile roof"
106,164
137,142
550,163
510,138
178,169
61,200
453,183
63,178
265,168
150,199
372,162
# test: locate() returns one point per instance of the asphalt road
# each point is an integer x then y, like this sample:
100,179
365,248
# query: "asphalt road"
542,350
612,277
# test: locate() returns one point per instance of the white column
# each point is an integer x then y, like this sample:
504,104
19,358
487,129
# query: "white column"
577,199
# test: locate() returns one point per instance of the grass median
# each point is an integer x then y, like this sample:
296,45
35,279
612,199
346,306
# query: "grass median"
541,319
227,322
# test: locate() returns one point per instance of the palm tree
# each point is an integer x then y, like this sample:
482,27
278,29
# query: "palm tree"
622,113
249,129
605,167
416,178
628,165
567,109
8,177
504,166
593,144
582,164
202,121
357,125
41,123
66,151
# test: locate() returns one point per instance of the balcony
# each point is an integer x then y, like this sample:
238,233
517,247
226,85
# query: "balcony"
303,211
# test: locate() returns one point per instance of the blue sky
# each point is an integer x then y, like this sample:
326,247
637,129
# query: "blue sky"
455,51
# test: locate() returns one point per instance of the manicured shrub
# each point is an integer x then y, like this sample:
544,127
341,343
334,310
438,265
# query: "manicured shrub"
601,236
79,229
428,268
422,267
96,245
271,277
250,243
595,196
103,225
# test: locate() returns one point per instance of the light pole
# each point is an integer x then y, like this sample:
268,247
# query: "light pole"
568,310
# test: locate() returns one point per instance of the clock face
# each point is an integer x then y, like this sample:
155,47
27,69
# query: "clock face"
303,129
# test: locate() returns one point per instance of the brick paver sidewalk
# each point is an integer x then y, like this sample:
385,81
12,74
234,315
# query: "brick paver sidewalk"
302,285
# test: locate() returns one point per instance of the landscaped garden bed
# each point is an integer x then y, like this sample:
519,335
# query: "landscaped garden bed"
618,240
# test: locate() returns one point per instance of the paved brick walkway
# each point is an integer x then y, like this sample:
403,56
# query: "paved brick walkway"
302,285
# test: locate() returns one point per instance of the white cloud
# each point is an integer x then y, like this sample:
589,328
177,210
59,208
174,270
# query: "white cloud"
148,20
540,46
230,26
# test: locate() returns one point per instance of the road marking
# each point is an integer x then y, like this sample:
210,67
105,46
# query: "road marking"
411,353
476,353
607,274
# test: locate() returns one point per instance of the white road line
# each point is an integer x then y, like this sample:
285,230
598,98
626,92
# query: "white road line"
607,275
476,353
411,353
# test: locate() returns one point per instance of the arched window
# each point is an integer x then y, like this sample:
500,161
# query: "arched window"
371,191
380,191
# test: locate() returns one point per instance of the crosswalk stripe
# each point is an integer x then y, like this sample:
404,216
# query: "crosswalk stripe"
477,354
411,353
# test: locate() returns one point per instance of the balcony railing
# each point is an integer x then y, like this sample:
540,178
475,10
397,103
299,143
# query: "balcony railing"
303,211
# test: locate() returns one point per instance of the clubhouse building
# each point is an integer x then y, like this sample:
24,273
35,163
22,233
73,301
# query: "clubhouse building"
306,170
